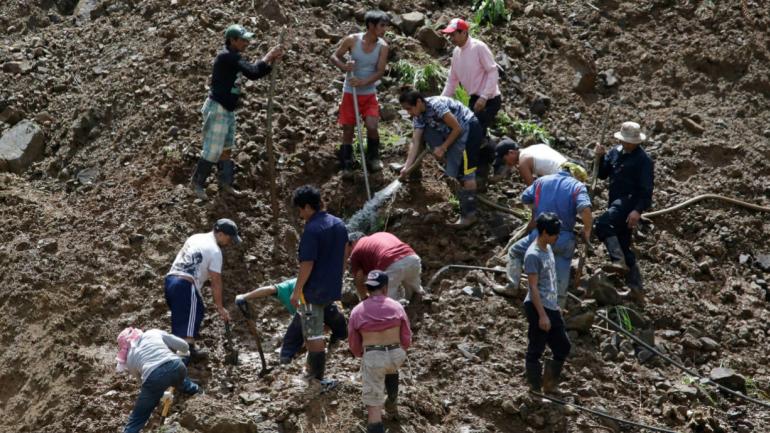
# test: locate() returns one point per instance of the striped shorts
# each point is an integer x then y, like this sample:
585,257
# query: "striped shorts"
218,130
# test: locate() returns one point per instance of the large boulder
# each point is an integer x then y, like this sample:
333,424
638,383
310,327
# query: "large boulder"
411,21
20,146
430,39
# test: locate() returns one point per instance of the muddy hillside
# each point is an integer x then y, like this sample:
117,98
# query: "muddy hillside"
104,96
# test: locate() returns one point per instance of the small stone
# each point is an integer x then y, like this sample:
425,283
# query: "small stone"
20,146
610,79
540,104
729,379
430,39
709,344
584,82
763,261
510,408
135,239
692,126
743,259
248,398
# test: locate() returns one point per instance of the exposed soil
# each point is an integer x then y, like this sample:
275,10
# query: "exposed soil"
117,86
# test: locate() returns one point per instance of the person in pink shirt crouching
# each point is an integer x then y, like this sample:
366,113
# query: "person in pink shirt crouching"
378,331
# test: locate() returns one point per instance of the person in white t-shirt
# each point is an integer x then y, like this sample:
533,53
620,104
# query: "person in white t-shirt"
532,161
199,260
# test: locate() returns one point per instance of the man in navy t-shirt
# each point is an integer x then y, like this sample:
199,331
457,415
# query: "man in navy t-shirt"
323,251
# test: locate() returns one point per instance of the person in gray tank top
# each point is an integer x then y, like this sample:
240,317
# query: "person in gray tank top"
368,55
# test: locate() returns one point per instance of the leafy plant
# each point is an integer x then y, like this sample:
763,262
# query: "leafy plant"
624,318
427,79
689,380
455,202
489,12
521,128
753,390
462,95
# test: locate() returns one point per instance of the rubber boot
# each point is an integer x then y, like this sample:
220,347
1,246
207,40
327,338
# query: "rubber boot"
373,162
198,354
634,282
551,376
227,177
375,428
513,269
534,376
618,265
391,387
468,215
346,160
201,173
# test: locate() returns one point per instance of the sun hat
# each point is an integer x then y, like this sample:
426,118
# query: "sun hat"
630,132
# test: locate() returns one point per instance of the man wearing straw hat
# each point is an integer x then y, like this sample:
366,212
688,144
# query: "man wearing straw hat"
631,176
565,195
368,56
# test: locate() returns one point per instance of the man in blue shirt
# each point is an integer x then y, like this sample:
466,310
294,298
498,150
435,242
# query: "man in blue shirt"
631,174
219,108
323,251
565,195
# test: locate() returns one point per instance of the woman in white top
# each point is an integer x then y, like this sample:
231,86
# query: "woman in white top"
150,357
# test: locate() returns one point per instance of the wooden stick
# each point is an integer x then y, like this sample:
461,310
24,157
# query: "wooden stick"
269,139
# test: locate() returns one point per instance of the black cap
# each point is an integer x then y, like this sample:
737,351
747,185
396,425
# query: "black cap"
228,227
376,280
503,147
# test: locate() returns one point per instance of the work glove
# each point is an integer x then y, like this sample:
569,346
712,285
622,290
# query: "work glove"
240,300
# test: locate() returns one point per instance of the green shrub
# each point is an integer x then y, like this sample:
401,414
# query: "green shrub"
489,12
428,79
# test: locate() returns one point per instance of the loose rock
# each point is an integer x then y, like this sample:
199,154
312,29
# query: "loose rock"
20,146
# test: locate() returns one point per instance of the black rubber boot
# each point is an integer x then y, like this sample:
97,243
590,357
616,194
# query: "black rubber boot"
201,173
346,160
534,376
635,283
391,387
227,176
373,162
375,428
618,265
317,363
551,376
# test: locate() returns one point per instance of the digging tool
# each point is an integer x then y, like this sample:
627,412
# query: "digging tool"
231,354
167,400
416,163
269,137
594,175
360,137
257,336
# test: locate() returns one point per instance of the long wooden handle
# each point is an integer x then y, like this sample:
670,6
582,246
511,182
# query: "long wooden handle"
269,136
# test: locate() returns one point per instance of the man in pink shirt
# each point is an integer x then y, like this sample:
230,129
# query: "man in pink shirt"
383,250
474,67
378,331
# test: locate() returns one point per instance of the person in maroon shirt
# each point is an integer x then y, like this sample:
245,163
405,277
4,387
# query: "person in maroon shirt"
379,332
383,250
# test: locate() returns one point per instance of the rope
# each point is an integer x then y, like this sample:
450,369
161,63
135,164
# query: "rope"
602,414
702,197
672,361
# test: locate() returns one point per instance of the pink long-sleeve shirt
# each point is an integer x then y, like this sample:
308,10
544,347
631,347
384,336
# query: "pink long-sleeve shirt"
473,66
374,314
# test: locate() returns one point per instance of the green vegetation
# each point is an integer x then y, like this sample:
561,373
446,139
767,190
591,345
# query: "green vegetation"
522,129
692,381
753,390
462,95
427,79
455,202
624,318
489,12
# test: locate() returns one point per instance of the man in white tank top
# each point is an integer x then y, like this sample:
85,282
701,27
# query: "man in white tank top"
368,54
533,161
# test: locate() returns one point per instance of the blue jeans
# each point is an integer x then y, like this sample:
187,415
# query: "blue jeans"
563,250
170,373
613,223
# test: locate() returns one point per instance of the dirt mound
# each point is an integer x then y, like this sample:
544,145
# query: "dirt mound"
89,231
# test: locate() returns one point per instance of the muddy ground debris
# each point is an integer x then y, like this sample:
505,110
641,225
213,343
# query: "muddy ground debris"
90,225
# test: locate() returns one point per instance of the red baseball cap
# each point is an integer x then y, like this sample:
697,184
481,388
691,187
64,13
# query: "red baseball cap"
455,24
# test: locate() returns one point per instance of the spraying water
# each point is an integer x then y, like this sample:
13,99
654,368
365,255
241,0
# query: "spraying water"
365,220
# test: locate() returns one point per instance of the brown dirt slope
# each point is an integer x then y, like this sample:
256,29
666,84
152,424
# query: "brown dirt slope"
117,87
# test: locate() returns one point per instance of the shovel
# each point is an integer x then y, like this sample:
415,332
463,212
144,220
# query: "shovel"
255,333
231,354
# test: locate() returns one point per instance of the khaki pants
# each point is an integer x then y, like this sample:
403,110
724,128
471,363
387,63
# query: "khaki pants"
404,278
374,366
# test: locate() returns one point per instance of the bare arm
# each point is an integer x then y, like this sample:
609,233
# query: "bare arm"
261,292
358,279
588,221
305,268
413,149
526,168
216,290
338,58
457,130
